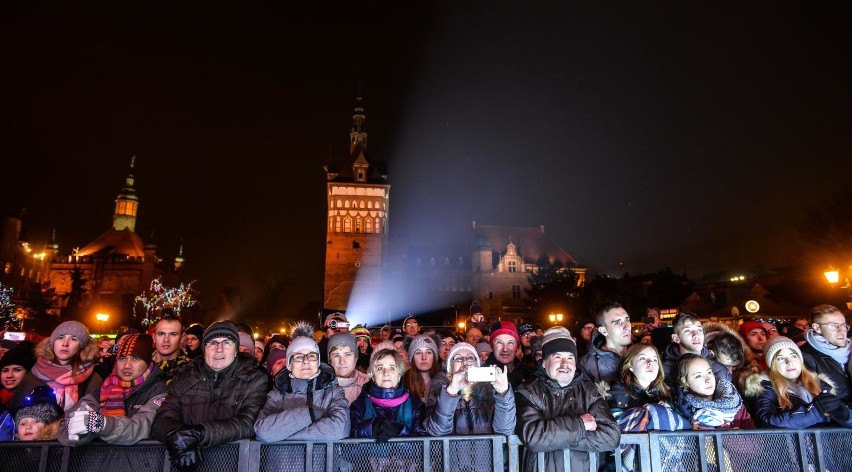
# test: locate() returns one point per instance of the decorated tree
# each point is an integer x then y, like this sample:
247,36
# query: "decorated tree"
7,309
152,304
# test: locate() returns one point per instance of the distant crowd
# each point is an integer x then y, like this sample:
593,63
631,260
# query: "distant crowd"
194,387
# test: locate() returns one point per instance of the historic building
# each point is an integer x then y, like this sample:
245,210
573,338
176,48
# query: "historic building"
357,231
116,267
365,271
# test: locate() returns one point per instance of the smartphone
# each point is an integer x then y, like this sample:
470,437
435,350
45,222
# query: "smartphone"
481,374
14,336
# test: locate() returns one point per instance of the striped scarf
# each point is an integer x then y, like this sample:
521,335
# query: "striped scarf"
115,391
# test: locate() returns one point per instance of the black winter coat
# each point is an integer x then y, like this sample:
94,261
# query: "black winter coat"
225,403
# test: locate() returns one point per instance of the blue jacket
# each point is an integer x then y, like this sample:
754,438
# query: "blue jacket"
363,414
803,414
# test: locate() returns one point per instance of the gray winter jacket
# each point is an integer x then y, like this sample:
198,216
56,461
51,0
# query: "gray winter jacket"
304,410
484,413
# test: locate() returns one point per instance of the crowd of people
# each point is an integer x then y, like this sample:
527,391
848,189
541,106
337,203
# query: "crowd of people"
194,387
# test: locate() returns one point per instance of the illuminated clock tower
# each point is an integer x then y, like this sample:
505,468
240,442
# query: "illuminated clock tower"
357,225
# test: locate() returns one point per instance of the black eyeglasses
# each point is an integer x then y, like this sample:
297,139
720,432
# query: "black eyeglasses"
302,358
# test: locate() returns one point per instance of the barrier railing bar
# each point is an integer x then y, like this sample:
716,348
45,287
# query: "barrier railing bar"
702,452
803,451
254,456
514,459
496,454
819,458
329,457
720,452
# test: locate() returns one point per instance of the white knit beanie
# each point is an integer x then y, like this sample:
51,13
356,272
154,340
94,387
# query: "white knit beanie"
457,348
775,344
299,344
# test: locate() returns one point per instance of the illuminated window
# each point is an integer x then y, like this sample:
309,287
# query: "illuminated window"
8,269
378,225
132,207
339,203
516,291
331,223
347,225
357,225
337,225
363,205
368,225
369,204
513,266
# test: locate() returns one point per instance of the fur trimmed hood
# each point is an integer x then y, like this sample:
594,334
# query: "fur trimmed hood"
713,329
90,353
753,384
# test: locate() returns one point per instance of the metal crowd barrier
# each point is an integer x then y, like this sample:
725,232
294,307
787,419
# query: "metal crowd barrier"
776,450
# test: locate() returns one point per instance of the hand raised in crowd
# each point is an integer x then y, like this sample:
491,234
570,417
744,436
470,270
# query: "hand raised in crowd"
458,381
501,380
589,422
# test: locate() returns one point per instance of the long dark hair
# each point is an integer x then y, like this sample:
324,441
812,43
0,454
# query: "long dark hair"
628,378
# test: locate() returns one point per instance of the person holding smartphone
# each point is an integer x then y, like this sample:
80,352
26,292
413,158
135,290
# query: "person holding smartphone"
461,404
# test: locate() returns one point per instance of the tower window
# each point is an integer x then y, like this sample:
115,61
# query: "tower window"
347,225
490,295
516,291
368,225
356,245
513,266
357,264
337,225
361,175
357,225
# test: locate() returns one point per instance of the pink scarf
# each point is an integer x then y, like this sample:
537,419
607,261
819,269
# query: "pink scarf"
62,380
390,402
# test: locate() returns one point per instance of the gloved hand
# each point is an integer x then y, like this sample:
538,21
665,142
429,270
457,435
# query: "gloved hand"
183,445
84,421
386,429
841,413
826,403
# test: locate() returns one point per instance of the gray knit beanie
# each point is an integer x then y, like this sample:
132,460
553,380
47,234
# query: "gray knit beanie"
342,339
73,328
420,341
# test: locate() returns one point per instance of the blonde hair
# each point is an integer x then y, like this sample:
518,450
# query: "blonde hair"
401,367
782,384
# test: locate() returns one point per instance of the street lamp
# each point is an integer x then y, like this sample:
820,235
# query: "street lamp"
103,318
461,326
556,318
833,278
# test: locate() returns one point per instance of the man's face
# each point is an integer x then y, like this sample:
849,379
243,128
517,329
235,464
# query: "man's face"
586,332
446,344
167,337
756,338
802,324
505,348
411,327
652,313
771,330
690,337
832,326
219,353
473,336
561,366
129,368
616,328
361,343
343,361
192,341
385,334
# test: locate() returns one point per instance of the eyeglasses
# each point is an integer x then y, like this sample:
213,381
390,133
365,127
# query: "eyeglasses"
411,323
588,328
303,358
227,344
836,326
528,334
465,359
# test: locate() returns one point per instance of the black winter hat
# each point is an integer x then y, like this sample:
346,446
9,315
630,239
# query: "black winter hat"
221,329
22,355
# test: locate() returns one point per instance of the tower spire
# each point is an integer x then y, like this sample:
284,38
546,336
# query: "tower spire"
126,203
358,134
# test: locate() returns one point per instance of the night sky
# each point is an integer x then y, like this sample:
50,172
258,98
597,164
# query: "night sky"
641,137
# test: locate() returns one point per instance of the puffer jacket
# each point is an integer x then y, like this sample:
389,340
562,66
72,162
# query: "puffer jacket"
803,414
620,398
304,410
362,426
820,363
484,412
225,404
549,421
140,406
598,364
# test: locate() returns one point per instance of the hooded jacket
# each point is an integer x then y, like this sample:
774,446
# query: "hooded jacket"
803,414
66,392
225,404
599,364
304,410
750,364
820,363
485,412
141,406
549,421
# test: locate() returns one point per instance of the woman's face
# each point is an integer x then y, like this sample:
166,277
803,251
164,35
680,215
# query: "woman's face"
423,359
304,364
29,429
645,367
462,360
11,376
385,372
65,348
700,379
342,360
192,342
788,363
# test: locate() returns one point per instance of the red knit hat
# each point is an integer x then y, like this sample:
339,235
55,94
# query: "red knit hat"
505,327
746,327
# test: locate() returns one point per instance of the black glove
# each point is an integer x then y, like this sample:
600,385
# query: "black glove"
841,413
183,445
386,429
826,403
